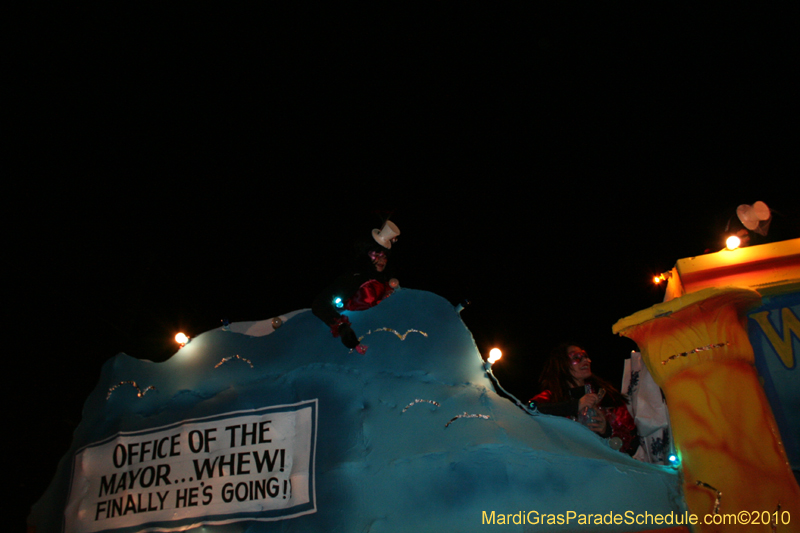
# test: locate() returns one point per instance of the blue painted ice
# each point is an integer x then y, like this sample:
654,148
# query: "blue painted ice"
379,459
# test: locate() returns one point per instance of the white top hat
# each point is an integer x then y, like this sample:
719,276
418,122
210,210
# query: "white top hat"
385,235
755,217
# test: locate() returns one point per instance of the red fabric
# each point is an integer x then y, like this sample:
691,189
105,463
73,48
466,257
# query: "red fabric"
543,397
622,425
335,327
368,295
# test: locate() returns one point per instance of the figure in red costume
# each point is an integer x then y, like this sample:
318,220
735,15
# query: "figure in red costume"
365,286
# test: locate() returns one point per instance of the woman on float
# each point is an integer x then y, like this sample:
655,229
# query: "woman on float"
569,389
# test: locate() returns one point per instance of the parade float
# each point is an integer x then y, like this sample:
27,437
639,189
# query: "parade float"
723,348
255,428
273,425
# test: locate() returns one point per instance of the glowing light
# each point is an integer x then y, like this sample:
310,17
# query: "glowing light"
673,460
494,355
733,242
181,339
664,276
338,302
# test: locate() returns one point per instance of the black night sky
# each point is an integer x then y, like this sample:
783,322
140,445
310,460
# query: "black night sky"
176,166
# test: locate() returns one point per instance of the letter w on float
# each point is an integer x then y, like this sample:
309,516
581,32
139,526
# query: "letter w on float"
782,344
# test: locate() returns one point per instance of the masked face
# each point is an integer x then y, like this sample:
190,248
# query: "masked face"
379,260
580,365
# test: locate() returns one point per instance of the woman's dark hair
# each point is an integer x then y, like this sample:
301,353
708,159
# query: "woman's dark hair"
556,376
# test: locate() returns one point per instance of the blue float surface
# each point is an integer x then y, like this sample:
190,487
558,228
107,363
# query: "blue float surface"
381,461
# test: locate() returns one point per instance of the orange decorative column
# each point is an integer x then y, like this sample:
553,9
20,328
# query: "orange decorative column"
697,349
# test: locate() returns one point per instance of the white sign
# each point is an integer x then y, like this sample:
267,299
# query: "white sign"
244,465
